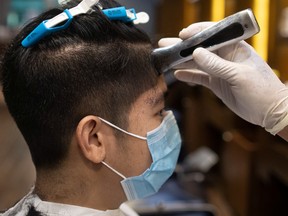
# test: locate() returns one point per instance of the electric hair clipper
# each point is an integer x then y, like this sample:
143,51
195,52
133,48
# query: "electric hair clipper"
231,29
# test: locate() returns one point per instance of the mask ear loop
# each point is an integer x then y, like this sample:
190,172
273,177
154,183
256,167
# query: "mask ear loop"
126,132
120,129
115,171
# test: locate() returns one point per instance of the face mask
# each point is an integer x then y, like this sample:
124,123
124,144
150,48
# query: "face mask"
164,144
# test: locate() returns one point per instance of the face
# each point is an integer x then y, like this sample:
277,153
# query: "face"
131,155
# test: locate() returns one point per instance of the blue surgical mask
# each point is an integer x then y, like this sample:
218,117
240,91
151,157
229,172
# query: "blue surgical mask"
164,143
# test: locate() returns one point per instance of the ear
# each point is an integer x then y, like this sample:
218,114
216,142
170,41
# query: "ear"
89,139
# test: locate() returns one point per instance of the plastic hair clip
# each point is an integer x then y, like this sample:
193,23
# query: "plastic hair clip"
48,26
142,18
120,13
42,31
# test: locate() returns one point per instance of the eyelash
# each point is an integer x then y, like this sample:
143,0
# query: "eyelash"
162,111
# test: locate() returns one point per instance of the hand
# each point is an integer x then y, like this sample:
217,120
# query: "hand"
241,79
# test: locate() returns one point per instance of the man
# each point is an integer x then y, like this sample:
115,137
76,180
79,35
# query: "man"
90,106
240,78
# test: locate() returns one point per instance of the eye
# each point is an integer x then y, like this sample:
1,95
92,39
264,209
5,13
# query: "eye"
162,113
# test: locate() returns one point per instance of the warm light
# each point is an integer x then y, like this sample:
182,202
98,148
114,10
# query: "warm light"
260,41
218,10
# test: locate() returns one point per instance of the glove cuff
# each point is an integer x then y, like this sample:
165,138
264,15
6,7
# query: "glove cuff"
279,126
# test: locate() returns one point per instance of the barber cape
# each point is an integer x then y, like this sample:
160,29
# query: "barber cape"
54,209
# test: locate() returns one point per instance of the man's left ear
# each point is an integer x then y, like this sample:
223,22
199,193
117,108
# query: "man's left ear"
89,138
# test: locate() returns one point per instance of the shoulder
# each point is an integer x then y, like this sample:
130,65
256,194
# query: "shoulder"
21,208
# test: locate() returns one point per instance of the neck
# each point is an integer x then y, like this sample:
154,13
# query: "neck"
85,186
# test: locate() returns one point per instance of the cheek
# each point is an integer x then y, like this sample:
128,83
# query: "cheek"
146,155
143,121
140,157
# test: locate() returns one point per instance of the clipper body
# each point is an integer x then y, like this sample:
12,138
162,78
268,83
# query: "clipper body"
231,29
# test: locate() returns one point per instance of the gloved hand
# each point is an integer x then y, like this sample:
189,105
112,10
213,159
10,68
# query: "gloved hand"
240,78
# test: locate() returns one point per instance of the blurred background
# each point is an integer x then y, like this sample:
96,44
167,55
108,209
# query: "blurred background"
251,174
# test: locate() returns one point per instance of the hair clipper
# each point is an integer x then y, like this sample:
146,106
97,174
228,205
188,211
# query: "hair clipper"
231,29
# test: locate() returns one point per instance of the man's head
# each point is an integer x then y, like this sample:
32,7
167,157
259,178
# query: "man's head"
95,67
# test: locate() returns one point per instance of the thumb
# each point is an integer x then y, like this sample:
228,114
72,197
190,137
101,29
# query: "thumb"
213,64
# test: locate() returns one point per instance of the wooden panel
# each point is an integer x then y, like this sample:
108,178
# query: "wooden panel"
191,12
237,168
174,15
17,171
170,18
1,98
278,45
272,180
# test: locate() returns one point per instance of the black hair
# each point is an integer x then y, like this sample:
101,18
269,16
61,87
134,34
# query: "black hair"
95,66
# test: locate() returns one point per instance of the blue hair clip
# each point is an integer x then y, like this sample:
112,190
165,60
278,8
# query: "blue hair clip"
47,27
42,31
120,13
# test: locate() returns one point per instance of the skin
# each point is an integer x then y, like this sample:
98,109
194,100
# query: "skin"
284,133
82,179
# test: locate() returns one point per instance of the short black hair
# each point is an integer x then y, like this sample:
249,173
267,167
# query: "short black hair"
95,66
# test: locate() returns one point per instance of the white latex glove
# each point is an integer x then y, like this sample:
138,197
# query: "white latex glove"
240,78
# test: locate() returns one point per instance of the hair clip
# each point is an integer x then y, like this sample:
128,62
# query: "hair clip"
142,18
126,15
47,27
120,13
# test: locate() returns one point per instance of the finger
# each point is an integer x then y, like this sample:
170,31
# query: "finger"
193,29
237,52
193,76
168,41
213,64
186,65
